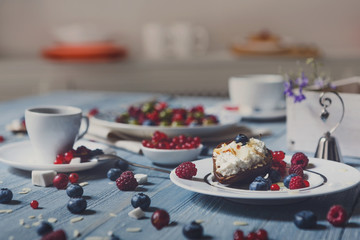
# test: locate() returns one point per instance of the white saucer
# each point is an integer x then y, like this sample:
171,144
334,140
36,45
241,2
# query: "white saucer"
325,177
20,155
230,109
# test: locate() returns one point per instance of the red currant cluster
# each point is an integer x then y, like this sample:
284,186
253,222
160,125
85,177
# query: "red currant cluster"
260,234
160,140
160,114
278,162
61,180
81,152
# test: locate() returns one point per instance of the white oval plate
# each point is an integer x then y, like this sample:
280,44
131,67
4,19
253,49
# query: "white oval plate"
21,155
324,176
139,131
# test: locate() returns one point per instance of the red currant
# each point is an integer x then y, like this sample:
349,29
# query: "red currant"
262,234
239,235
93,112
278,155
59,159
2,139
274,187
160,219
68,156
73,177
307,184
60,181
251,236
34,204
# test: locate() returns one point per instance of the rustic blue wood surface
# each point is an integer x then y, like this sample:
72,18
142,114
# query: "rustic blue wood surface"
218,214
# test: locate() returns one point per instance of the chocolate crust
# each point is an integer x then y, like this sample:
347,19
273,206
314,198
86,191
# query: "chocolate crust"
244,176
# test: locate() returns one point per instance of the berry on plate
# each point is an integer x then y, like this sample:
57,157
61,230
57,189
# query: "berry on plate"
186,170
160,219
287,179
141,200
260,184
301,159
278,155
6,195
274,187
74,190
61,181
126,181
305,219
193,230
77,205
296,183
337,216
297,169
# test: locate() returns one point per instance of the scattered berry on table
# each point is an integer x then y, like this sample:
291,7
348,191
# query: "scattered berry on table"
126,181
186,170
56,235
44,228
2,139
296,183
274,175
337,215
114,173
6,195
77,205
68,156
287,179
61,181
239,235
260,184
251,236
301,159
74,190
160,219
160,140
141,200
123,165
278,155
241,138
274,187
73,177
193,230
305,219
297,169
34,204
262,234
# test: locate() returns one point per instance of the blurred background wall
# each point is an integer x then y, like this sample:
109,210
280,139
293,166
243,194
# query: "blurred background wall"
332,25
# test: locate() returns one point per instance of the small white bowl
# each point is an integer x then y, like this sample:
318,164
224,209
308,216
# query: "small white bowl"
171,156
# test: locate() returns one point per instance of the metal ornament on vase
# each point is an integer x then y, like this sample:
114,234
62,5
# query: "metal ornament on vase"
328,147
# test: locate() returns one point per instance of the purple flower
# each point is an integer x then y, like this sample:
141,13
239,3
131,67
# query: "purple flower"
288,89
319,83
302,81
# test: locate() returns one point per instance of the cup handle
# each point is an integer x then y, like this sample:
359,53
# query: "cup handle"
86,119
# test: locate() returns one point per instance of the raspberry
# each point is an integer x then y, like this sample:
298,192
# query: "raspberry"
301,159
297,169
296,183
186,170
126,181
337,215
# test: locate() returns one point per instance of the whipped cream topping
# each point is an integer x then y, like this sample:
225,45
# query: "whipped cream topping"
233,157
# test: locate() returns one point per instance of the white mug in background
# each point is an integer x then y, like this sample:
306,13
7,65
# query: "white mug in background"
188,40
260,92
155,41
53,130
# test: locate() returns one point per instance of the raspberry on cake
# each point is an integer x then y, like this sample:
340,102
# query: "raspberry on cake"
237,162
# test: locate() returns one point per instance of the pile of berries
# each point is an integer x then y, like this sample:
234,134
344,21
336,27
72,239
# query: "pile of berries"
260,234
160,140
278,162
160,114
295,179
81,152
61,180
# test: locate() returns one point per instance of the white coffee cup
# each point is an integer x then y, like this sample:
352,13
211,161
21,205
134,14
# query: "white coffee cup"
53,130
260,92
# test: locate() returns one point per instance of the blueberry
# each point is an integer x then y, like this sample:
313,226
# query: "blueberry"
274,175
123,165
193,230
148,122
141,200
74,190
305,219
260,184
288,178
114,173
241,138
6,195
77,205
44,228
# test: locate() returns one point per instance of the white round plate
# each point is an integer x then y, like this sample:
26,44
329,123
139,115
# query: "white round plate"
138,131
21,155
324,176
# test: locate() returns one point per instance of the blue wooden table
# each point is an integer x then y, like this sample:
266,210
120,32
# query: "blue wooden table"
108,207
